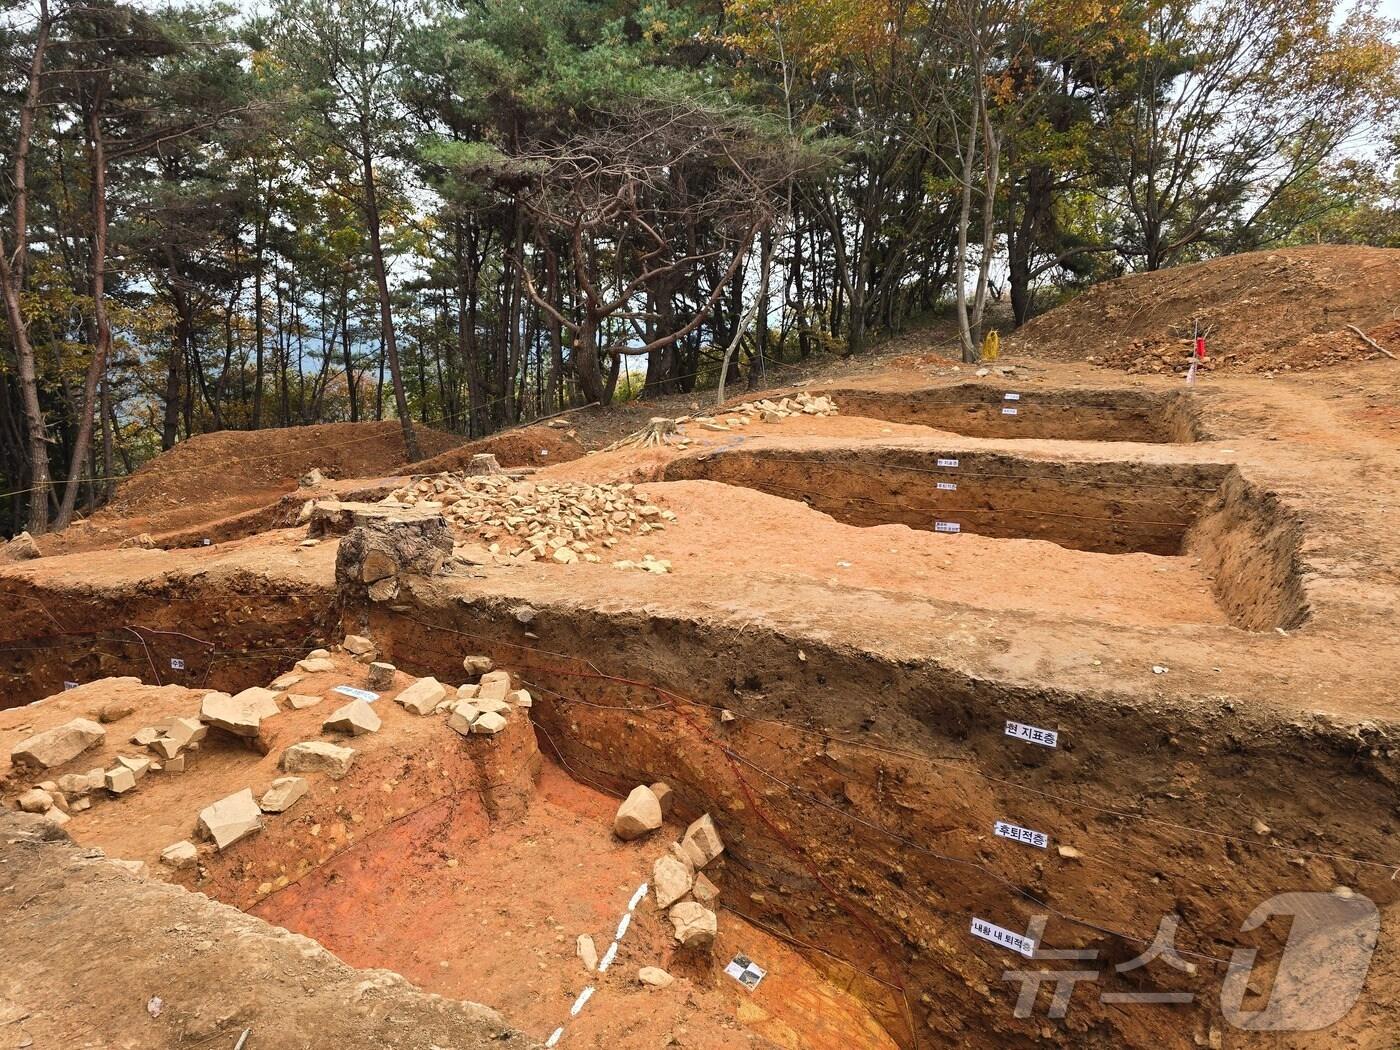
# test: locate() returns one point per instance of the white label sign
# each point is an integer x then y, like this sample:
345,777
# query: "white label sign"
357,694
948,486
1019,834
1011,397
1018,943
1008,411
745,971
946,526
1033,734
70,685
206,542
947,462
176,664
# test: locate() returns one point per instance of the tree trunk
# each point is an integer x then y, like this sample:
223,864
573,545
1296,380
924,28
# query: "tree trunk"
971,352
97,368
586,364
259,246
12,279
386,315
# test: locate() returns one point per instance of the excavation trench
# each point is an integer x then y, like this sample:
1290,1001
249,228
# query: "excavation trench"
857,796
187,630
1246,540
1012,411
857,799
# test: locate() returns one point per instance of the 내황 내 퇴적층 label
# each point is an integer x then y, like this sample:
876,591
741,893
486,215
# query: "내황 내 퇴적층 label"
1018,943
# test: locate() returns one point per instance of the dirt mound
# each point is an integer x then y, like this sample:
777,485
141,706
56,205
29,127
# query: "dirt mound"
536,446
1285,310
213,467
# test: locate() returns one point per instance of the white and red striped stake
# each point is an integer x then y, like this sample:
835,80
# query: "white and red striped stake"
1200,354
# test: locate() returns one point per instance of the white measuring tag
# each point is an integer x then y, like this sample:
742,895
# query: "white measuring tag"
70,685
176,664
947,462
1009,411
357,694
946,526
1033,734
1016,833
948,486
1011,397
1018,943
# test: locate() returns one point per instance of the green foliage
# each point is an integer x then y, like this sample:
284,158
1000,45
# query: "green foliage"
241,274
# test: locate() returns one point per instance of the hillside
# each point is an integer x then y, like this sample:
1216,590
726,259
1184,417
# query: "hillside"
1281,310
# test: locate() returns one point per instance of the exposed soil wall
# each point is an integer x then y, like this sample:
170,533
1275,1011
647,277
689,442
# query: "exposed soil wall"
92,950
857,798
229,632
1249,543
1112,508
983,410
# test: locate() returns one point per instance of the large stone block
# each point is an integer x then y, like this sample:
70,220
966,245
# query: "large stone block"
53,747
638,814
423,696
356,718
695,925
230,819
317,756
702,843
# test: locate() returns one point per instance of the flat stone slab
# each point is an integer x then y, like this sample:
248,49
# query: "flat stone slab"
53,747
284,793
317,756
179,855
231,819
232,715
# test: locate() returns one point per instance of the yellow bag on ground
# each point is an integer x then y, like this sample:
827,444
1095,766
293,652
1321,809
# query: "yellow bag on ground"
991,345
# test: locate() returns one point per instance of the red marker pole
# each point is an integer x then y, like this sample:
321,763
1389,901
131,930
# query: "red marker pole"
1200,354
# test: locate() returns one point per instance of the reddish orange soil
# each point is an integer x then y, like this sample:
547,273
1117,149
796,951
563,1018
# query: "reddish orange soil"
1228,727
1283,310
509,894
507,906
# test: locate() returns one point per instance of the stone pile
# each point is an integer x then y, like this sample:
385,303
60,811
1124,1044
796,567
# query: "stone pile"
483,708
663,431
802,404
525,521
681,889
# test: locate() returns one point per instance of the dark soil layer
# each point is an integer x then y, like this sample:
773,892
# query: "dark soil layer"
857,797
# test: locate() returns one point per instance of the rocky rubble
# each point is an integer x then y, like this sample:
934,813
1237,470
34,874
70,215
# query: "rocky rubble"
800,404
479,708
661,430
524,521
676,874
